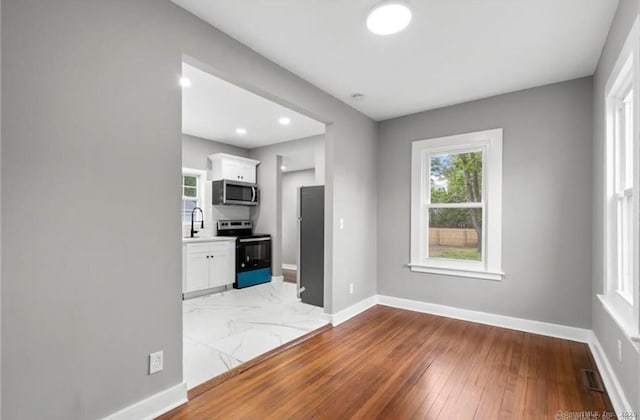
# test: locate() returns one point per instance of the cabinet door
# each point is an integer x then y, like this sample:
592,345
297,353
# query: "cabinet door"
220,266
231,170
197,267
248,173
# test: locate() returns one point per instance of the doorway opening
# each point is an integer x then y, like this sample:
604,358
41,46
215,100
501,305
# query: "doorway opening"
233,138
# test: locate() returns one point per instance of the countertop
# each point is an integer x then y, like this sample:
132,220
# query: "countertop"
208,239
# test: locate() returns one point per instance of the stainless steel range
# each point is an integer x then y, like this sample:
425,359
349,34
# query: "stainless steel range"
253,252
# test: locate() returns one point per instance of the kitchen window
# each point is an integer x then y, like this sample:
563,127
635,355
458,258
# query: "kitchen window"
456,205
621,208
192,192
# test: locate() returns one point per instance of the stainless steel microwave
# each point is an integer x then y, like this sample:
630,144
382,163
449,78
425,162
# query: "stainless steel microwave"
234,193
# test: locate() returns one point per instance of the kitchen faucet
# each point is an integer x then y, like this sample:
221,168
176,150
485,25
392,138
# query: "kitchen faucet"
193,212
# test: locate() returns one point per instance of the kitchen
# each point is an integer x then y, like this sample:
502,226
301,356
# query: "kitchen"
237,149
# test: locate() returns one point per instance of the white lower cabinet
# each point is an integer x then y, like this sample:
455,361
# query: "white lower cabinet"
207,265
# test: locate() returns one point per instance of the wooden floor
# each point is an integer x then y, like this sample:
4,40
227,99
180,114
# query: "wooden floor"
289,275
396,364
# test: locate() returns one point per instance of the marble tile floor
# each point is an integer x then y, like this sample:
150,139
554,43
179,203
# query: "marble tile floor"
225,329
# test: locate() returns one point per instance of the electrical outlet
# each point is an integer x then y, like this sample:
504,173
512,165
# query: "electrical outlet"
350,288
619,351
341,223
155,362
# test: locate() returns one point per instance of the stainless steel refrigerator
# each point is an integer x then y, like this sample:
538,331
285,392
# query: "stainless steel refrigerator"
311,245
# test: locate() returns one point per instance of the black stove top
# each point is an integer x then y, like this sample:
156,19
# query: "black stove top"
242,229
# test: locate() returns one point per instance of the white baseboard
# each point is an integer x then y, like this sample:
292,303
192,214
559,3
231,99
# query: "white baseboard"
614,389
353,310
289,267
154,406
526,325
277,279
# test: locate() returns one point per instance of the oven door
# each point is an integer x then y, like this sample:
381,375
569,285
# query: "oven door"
253,253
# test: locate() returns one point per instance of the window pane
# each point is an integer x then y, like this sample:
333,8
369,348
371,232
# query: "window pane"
456,178
190,181
190,191
627,109
455,234
187,207
625,247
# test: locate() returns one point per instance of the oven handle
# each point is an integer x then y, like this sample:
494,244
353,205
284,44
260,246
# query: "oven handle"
254,240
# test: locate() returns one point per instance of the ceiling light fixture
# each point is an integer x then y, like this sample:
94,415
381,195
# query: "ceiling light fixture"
284,120
283,168
185,82
241,131
388,17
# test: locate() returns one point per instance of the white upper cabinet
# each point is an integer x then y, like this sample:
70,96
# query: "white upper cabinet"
235,168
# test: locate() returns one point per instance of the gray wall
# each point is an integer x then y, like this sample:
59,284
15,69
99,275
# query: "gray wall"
607,331
195,152
291,181
546,244
267,217
90,103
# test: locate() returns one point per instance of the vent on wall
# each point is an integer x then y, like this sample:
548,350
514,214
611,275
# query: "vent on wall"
591,380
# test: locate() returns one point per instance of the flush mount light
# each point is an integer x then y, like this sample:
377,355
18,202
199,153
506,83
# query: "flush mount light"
283,168
185,82
388,17
241,131
284,121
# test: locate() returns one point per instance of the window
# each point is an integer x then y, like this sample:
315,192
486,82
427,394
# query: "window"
456,205
620,296
192,192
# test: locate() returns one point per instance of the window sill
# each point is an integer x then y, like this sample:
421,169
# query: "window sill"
623,321
476,274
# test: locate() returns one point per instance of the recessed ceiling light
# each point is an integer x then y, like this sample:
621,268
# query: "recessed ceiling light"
185,82
388,17
284,120
284,168
241,131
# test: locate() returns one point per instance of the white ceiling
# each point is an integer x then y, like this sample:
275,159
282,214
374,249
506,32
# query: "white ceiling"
213,108
453,51
299,160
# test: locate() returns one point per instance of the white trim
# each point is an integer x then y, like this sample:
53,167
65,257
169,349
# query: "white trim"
628,61
457,272
624,319
353,310
201,199
520,324
277,279
614,389
490,143
154,406
289,267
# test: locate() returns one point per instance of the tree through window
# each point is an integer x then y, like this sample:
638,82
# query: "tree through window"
456,231
455,221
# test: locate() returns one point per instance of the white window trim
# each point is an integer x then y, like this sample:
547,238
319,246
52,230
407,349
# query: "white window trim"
625,314
490,141
202,178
